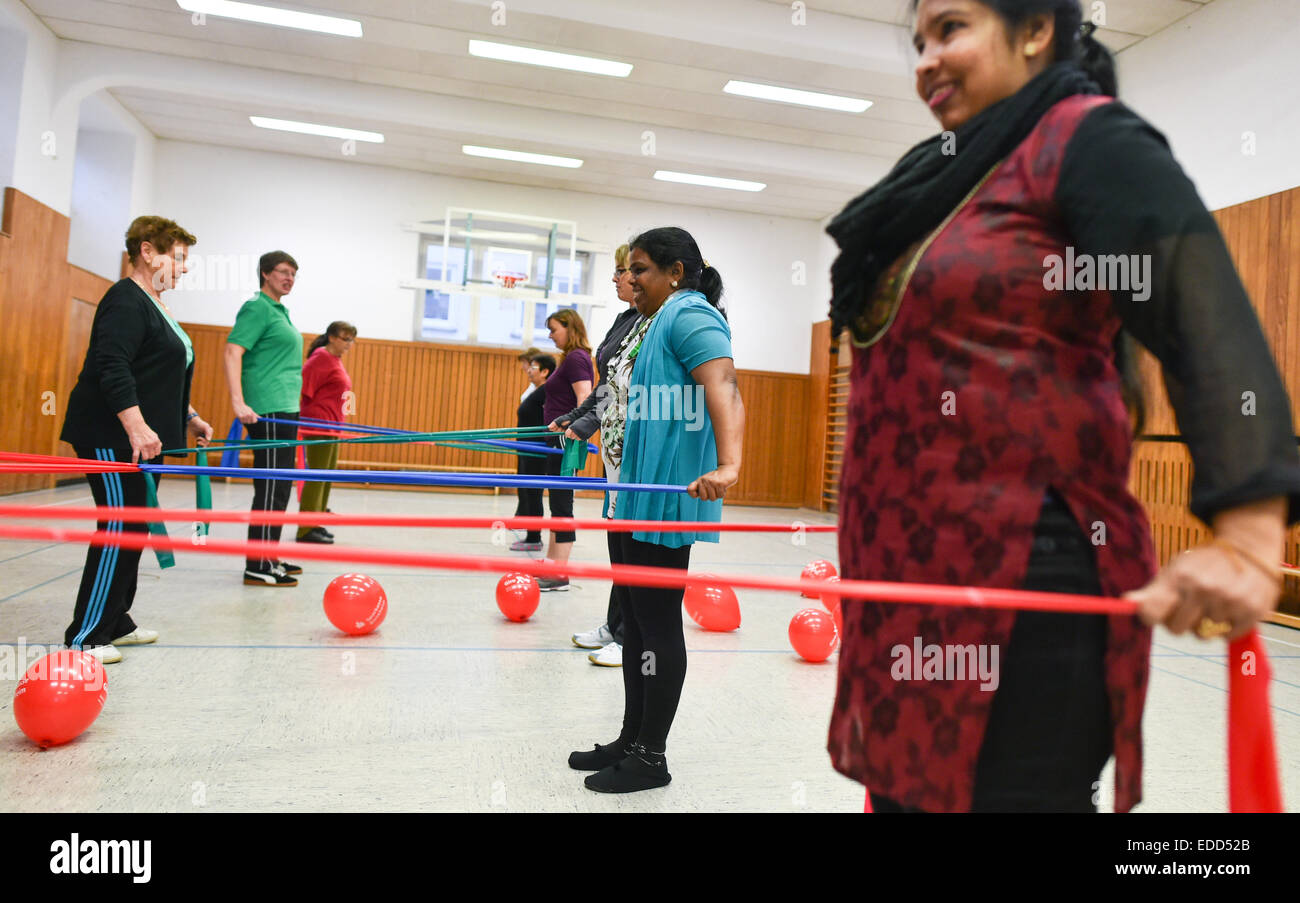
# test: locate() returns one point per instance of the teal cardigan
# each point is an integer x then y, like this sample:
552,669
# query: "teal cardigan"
669,436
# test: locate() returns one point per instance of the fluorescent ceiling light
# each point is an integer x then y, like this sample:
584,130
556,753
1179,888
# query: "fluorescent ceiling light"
664,175
513,54
520,157
271,15
804,98
311,128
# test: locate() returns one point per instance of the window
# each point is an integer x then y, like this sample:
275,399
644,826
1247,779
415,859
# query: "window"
480,317
565,281
542,332
446,316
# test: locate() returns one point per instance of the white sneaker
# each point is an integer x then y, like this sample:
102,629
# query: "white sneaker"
594,639
138,637
611,656
107,655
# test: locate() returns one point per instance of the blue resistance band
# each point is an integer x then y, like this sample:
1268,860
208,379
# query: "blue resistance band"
510,444
313,424
411,478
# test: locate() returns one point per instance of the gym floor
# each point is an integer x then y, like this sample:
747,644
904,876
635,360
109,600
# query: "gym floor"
252,701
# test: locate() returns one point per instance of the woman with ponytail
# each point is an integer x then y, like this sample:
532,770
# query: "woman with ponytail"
675,417
324,385
986,292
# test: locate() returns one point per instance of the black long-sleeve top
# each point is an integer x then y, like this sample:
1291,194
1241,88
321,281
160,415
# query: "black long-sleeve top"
1198,320
134,358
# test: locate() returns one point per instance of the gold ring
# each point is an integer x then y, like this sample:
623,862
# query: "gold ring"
1209,628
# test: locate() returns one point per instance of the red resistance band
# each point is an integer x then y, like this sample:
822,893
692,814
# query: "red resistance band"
320,518
1253,783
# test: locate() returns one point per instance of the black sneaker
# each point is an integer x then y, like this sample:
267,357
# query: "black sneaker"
326,533
268,576
291,569
552,584
598,758
631,775
317,534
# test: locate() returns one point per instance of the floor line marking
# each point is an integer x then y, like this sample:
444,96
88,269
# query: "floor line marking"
39,585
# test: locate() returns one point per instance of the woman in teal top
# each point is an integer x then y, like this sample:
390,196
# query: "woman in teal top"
677,418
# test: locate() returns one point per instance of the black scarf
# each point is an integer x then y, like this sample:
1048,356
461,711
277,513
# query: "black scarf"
927,184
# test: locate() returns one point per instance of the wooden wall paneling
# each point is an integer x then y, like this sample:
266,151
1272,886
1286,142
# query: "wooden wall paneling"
819,387
776,454
34,293
86,289
836,420
80,318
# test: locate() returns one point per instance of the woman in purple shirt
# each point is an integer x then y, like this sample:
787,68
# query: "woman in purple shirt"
566,388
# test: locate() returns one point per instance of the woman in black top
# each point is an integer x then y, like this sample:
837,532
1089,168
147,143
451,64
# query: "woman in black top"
130,402
540,369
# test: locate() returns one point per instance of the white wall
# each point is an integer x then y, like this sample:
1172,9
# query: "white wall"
41,113
1228,69
46,140
112,183
100,112
101,201
13,57
342,221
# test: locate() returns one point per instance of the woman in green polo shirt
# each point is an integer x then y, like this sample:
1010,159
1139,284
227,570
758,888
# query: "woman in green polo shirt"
264,373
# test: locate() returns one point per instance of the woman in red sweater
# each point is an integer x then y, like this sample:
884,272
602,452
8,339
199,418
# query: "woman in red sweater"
988,441
324,385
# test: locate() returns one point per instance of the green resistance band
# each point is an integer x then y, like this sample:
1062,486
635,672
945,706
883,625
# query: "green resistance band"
202,494
575,457
456,435
165,558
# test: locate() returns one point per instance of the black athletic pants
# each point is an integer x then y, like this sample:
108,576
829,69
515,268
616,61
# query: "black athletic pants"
108,581
561,500
530,500
654,647
1049,732
271,495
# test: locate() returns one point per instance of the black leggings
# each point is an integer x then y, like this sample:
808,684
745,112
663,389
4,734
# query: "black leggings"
1049,731
654,647
530,500
271,495
561,499
614,613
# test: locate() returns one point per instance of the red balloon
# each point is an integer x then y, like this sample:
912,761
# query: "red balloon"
355,604
518,596
60,696
713,607
821,569
832,600
813,634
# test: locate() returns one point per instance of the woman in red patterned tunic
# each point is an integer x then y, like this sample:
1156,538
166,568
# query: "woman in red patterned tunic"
989,283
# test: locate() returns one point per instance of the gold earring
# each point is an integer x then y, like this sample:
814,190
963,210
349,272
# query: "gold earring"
1031,49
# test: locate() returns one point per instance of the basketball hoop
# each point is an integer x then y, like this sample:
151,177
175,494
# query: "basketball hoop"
509,280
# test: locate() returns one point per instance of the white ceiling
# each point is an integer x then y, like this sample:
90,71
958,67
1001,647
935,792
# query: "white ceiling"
412,78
